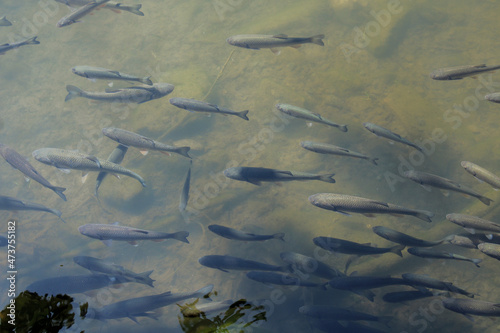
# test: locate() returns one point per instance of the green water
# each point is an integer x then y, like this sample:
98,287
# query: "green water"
385,81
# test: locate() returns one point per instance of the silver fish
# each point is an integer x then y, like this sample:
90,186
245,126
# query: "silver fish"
385,133
106,74
114,6
469,307
67,159
116,157
459,72
404,239
109,232
136,94
404,296
194,105
9,203
185,190
224,263
493,97
308,265
299,112
482,174
97,265
4,22
141,306
231,233
257,175
426,253
197,310
428,179
419,280
492,250
74,16
19,162
282,279
365,282
256,42
324,148
74,284
131,139
348,247
7,47
343,204
473,223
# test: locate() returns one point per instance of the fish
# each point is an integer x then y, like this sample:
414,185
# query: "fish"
106,74
10,203
419,280
469,307
493,97
404,296
307,265
76,15
198,310
459,72
324,148
136,94
74,284
298,112
343,204
11,46
336,313
97,265
365,282
68,159
194,105
185,190
404,239
4,22
257,42
481,174
231,233
114,6
116,157
282,279
427,179
426,253
131,139
19,162
491,250
109,232
385,133
473,223
142,306
255,176
464,241
225,263
347,247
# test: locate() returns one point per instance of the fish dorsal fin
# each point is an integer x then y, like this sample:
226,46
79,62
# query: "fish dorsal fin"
344,150
480,66
141,231
285,172
111,91
280,36
115,72
115,223
385,204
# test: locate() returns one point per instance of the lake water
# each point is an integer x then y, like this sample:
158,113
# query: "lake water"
374,67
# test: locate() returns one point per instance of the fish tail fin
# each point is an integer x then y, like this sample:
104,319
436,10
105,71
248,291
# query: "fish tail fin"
317,40
485,200
327,178
181,236
343,128
424,215
374,161
280,235
243,114
183,151
32,40
135,9
397,250
145,277
57,213
448,238
147,80
417,147
323,286
476,261
73,92
59,191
